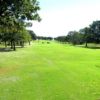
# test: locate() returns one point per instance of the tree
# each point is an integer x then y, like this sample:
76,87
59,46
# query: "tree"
75,37
95,29
61,39
87,35
44,38
21,9
13,14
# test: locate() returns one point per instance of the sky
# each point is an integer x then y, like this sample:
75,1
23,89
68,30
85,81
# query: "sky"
61,16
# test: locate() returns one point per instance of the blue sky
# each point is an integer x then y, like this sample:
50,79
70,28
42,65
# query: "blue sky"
61,16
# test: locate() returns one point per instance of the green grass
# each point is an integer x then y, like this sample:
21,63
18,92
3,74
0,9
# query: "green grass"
50,72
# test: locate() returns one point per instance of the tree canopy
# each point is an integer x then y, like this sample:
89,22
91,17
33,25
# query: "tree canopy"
13,16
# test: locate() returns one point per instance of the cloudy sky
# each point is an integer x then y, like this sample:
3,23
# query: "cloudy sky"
61,16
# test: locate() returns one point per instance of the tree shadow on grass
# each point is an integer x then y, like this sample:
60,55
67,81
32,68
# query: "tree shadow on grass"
89,47
5,50
8,49
93,47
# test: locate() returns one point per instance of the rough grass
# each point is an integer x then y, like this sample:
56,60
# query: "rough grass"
50,72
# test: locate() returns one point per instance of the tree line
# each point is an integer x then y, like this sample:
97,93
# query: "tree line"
13,16
90,34
44,38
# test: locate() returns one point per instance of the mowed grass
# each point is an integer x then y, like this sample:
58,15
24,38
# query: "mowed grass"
50,72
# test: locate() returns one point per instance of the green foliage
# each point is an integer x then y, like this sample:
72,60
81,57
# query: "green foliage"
44,38
13,14
61,39
95,28
75,37
86,35
20,9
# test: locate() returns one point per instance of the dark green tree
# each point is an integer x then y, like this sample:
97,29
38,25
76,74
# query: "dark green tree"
61,39
75,37
95,30
13,14
87,35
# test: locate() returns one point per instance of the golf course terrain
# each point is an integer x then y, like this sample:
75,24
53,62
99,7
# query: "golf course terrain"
51,71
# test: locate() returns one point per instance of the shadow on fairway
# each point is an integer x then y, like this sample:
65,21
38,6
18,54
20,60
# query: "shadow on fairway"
5,50
93,47
89,47
8,49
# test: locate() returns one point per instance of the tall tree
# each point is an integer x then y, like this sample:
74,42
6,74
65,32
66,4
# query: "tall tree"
13,14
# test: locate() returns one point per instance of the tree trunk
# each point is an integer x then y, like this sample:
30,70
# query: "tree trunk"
14,46
5,44
29,43
11,44
86,45
22,44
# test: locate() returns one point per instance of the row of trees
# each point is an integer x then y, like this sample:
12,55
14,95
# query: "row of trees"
61,38
44,38
86,35
13,16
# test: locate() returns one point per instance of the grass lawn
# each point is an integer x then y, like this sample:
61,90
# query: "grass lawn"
50,72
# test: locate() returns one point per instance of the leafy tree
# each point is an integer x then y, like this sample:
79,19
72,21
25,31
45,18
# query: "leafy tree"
95,29
87,35
44,38
61,38
21,9
75,37
13,14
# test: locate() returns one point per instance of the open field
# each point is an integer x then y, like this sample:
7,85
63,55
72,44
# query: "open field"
50,72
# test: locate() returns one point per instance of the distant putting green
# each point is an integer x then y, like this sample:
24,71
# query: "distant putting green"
50,72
